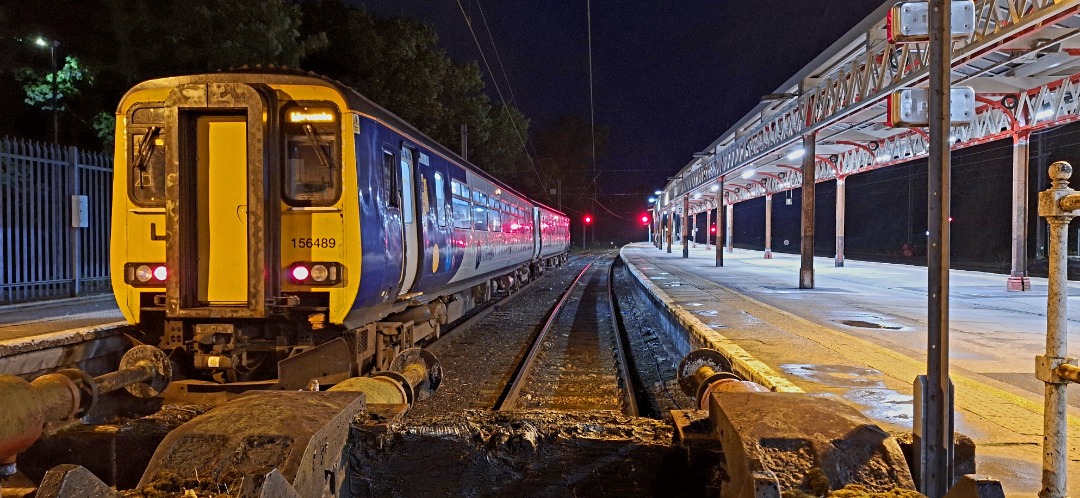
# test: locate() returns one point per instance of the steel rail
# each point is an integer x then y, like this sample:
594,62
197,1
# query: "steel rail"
476,317
619,333
509,399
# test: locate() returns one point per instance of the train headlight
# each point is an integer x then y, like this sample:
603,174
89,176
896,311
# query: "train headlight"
316,273
146,274
143,273
319,273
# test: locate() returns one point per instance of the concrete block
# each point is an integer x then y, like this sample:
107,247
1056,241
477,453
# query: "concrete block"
800,437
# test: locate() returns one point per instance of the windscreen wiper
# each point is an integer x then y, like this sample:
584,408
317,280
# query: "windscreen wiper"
326,161
146,147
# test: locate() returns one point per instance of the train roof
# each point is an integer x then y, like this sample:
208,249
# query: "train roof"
356,100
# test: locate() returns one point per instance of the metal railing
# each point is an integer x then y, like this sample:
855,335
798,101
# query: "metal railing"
43,253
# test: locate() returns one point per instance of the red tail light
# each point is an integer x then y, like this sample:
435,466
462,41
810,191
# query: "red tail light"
316,273
146,274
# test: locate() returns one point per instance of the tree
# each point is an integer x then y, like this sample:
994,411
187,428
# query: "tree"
398,64
167,38
565,151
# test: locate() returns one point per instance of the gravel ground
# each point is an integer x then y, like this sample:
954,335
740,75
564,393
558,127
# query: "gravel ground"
477,363
656,358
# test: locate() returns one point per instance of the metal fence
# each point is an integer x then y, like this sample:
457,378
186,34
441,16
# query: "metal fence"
43,253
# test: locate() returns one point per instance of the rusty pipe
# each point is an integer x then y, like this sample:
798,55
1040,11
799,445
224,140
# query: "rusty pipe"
1068,372
1070,202
705,371
29,407
413,375
123,378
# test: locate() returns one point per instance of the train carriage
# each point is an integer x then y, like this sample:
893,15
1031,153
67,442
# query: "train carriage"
260,215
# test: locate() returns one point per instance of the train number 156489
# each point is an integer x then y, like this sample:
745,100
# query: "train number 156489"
308,242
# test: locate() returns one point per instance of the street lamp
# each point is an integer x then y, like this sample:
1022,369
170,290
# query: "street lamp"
42,42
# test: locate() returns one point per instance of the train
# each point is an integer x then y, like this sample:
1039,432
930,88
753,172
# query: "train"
266,219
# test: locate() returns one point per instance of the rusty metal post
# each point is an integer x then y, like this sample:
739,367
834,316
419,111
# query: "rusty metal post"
685,226
1058,205
934,427
768,226
729,228
809,171
719,206
1018,277
841,201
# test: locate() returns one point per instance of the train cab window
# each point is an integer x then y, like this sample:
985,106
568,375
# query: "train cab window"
147,167
312,155
440,200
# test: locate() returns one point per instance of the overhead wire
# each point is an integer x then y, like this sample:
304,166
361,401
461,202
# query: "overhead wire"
498,89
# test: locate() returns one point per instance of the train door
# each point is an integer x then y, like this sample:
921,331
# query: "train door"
221,208
411,226
216,193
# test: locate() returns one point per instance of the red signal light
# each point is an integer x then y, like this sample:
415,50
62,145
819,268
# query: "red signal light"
588,219
644,219
712,229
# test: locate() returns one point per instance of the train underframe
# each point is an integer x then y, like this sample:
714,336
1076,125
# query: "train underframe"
245,350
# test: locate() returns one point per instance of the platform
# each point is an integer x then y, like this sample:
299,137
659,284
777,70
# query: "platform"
861,334
81,332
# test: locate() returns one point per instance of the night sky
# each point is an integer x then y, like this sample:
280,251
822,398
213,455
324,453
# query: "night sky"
669,77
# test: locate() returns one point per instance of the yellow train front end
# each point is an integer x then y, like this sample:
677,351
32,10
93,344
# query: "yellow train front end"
234,211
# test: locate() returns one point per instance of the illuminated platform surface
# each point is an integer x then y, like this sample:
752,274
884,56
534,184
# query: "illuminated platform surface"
861,334
36,337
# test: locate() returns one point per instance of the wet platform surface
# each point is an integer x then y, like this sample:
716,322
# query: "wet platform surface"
37,337
861,334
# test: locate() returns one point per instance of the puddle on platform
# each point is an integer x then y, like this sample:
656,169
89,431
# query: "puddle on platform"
835,375
884,404
871,325
706,312
863,387
693,304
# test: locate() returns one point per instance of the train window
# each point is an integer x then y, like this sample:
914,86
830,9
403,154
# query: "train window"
389,173
479,218
440,200
455,187
407,191
312,155
495,221
462,217
148,167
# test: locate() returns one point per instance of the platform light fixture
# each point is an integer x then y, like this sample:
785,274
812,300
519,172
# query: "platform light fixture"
797,153
748,173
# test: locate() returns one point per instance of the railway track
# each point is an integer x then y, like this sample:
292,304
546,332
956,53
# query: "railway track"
481,363
578,359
